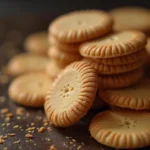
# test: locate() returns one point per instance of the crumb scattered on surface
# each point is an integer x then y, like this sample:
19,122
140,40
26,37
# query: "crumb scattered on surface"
9,115
20,111
16,126
41,130
17,142
52,147
4,110
5,148
28,135
11,134
2,140
32,124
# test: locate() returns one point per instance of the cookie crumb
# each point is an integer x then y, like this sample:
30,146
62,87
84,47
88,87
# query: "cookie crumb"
28,135
5,148
2,140
32,124
4,110
79,147
41,130
11,134
16,126
20,111
9,115
52,147
17,142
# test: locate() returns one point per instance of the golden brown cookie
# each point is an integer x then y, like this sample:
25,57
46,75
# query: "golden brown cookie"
37,43
136,96
53,69
30,89
70,48
127,59
72,94
120,80
114,45
80,26
127,18
121,129
26,62
63,57
113,69
148,46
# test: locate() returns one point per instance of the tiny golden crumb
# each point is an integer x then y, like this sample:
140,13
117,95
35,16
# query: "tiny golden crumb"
4,110
20,111
11,134
28,135
5,148
17,142
41,130
79,147
7,124
32,124
30,129
5,137
2,141
7,119
16,126
9,115
49,129
46,124
52,147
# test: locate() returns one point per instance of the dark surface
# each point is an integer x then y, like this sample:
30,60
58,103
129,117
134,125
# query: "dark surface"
40,141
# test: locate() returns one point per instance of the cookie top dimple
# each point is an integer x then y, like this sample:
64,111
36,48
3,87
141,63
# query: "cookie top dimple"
136,96
81,25
114,45
71,95
30,89
127,18
121,129
37,43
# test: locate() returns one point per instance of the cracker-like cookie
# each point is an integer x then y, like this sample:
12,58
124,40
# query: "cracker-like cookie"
72,94
53,69
37,43
113,69
70,48
121,129
127,59
114,45
136,96
120,80
30,89
80,26
63,57
127,18
26,62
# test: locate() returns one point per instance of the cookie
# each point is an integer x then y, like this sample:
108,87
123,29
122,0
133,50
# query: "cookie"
80,26
114,45
113,69
72,94
70,48
53,69
63,57
26,62
121,129
120,80
136,96
127,18
37,43
127,59
30,89
148,46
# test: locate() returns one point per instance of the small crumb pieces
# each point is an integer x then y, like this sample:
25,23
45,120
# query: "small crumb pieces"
49,129
32,124
79,147
52,147
35,144
48,139
5,148
41,130
17,142
5,137
11,134
9,115
7,124
28,135
20,111
30,129
4,110
16,126
7,119
2,141
46,124
3,124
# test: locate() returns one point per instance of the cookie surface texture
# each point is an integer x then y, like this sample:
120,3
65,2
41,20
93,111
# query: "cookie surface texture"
121,129
72,94
136,96
114,45
80,26
30,89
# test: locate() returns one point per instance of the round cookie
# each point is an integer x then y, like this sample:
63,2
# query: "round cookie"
72,94
136,96
127,18
37,43
121,129
80,26
53,69
113,69
63,57
127,59
69,48
26,62
120,80
114,45
30,89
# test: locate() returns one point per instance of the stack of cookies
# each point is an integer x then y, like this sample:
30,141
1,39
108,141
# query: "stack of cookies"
117,58
67,32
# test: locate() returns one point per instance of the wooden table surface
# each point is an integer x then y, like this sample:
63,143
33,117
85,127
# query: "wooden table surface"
76,137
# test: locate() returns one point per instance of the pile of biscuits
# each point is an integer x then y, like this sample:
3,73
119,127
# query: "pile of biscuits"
65,39
112,67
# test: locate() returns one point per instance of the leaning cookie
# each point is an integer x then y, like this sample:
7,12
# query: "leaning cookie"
30,89
121,129
72,94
